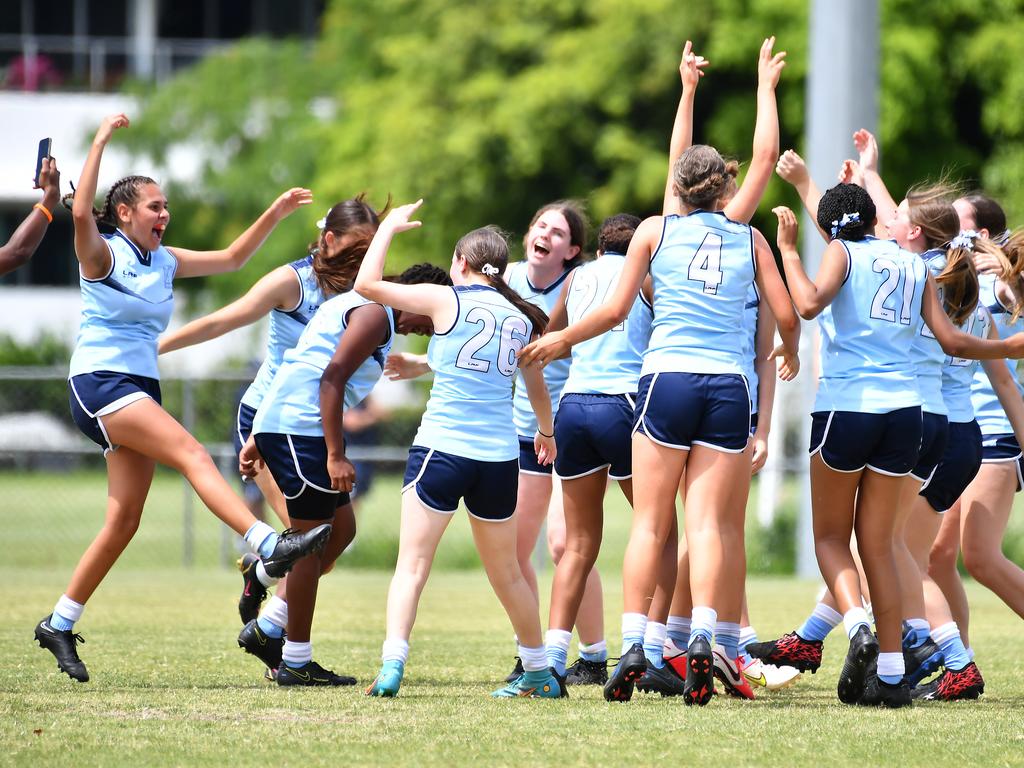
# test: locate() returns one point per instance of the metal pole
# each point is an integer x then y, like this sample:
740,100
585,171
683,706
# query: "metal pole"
188,499
842,96
143,20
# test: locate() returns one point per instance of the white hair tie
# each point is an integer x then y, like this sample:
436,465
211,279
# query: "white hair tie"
322,224
964,240
489,269
847,218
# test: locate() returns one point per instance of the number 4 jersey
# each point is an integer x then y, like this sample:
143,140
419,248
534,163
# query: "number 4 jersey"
868,330
469,413
702,271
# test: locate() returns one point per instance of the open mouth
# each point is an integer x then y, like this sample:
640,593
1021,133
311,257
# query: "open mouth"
541,250
158,233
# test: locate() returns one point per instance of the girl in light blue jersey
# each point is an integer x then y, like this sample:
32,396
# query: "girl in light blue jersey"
466,447
297,431
113,384
592,429
290,294
866,431
693,406
978,523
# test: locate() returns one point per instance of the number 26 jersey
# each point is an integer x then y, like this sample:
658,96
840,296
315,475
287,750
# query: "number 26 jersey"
868,329
469,412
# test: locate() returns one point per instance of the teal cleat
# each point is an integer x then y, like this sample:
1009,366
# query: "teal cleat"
540,684
388,680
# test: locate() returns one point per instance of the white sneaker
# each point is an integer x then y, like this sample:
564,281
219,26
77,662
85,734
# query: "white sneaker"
778,677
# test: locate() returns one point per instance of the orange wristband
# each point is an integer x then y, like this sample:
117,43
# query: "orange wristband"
45,211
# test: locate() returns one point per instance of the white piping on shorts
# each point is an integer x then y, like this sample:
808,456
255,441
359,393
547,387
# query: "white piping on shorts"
583,474
298,471
824,437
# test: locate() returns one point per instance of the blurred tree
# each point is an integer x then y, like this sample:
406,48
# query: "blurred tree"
488,110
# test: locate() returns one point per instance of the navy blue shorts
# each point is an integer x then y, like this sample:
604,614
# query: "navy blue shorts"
849,441
753,424
957,468
528,458
996,449
299,466
243,425
594,433
92,395
440,479
679,410
934,436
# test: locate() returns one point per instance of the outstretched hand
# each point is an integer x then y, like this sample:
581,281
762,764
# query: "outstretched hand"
691,67
400,219
403,365
792,168
850,172
549,347
110,124
769,67
789,228
289,202
867,147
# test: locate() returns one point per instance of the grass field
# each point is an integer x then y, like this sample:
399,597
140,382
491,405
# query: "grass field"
170,687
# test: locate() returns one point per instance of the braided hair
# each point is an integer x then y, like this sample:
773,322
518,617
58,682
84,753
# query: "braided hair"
124,191
846,212
616,232
702,177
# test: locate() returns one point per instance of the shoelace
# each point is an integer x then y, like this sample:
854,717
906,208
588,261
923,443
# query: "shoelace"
581,661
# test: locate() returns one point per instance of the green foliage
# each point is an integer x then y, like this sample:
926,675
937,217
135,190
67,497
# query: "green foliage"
45,350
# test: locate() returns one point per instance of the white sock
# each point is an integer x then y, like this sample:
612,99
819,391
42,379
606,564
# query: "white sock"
264,578
827,614
920,625
633,627
747,636
891,665
558,638
703,619
655,634
257,534
276,612
853,618
945,633
970,653
594,649
534,659
296,654
395,650
68,609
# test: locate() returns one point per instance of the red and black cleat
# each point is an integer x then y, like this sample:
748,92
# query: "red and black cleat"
700,673
790,650
953,685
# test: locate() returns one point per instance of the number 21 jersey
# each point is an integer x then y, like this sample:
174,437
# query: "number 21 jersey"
868,329
469,412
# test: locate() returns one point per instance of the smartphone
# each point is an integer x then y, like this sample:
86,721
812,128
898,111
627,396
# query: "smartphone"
44,152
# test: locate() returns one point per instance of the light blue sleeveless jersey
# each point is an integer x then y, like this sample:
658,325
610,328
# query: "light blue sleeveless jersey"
286,325
608,364
124,312
291,405
750,312
555,372
925,353
469,412
702,271
987,410
958,372
868,329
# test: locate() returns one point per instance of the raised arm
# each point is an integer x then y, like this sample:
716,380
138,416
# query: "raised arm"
766,136
885,207
792,169
1005,387
810,297
29,234
435,301
690,72
93,255
554,345
234,257
367,329
278,290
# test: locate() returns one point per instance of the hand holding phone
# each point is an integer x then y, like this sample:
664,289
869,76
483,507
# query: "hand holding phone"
44,152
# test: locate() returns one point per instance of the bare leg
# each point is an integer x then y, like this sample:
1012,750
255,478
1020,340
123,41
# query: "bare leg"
583,518
532,502
942,568
911,589
495,541
984,515
420,534
832,500
129,476
272,494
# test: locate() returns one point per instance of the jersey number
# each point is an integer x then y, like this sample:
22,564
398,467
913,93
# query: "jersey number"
513,339
706,264
586,287
894,275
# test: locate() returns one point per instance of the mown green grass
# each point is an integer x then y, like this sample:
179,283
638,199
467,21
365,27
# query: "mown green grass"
170,688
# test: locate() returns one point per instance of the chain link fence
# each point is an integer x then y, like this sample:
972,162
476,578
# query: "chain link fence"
53,479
